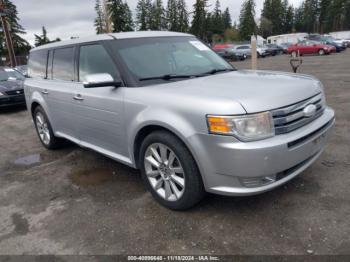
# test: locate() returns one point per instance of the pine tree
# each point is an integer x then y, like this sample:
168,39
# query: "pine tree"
216,19
172,15
347,16
226,18
288,17
143,15
21,46
120,15
198,26
310,13
43,38
265,27
129,23
116,11
274,11
299,23
183,25
337,15
247,26
324,23
158,16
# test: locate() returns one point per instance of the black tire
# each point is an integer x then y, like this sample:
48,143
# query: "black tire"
54,142
193,189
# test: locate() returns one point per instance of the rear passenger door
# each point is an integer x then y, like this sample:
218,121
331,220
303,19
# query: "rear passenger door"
99,111
61,86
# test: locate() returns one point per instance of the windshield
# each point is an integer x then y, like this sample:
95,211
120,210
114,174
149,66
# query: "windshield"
328,38
150,58
7,74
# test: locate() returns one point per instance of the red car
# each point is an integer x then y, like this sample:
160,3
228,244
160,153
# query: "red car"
310,47
222,46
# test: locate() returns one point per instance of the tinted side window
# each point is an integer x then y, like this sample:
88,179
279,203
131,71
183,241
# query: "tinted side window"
63,64
94,59
37,64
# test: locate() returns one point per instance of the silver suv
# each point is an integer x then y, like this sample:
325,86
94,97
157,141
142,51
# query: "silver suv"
168,105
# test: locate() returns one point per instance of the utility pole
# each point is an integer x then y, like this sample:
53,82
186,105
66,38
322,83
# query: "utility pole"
254,53
7,34
107,15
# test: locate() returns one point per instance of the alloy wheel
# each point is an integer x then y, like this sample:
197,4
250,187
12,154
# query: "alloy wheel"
164,172
43,129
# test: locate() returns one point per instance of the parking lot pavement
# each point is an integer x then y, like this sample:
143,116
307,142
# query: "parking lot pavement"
74,201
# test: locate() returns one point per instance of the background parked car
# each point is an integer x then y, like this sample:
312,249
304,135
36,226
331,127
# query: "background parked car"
23,69
274,49
285,47
263,51
217,47
310,47
243,50
230,54
11,87
326,40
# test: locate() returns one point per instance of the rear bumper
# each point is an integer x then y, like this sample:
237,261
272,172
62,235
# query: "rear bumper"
12,100
230,167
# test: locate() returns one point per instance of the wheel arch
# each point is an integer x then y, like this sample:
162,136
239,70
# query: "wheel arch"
144,131
148,129
33,106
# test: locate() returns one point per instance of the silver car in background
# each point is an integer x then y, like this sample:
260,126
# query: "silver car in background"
247,50
166,104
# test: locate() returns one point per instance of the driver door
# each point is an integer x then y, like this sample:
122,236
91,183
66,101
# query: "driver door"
99,111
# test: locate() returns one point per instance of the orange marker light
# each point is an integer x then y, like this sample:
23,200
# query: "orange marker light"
219,125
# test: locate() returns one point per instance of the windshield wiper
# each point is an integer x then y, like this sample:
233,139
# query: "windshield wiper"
166,77
215,71
170,76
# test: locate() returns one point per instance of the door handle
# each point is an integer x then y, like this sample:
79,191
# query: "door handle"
45,92
78,97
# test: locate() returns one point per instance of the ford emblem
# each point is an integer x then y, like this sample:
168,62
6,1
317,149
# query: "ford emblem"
310,110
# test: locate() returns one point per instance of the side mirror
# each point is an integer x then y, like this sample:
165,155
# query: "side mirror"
100,80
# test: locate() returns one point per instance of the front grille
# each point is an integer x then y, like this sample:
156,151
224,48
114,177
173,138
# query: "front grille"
292,117
14,92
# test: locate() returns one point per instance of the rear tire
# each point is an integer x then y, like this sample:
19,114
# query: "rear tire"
170,171
44,130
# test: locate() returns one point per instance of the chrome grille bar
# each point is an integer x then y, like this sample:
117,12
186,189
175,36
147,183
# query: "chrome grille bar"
290,118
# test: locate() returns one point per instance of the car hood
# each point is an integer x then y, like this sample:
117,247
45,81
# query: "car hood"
11,85
256,91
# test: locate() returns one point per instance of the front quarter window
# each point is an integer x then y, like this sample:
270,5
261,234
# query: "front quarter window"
148,58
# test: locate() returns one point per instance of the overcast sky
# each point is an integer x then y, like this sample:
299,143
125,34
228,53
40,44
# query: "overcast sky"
66,18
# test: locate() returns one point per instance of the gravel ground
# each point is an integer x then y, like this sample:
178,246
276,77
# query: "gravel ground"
74,201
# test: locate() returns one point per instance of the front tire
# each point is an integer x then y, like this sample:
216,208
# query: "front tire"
321,52
170,171
44,130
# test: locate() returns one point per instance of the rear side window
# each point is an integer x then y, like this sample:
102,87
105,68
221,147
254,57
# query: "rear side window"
94,59
37,64
63,64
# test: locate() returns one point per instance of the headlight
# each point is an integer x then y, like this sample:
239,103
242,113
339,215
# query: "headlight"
244,127
1,94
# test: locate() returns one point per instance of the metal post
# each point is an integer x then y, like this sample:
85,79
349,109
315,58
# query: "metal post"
7,34
254,53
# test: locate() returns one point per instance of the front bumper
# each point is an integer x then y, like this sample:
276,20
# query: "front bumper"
231,167
12,100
